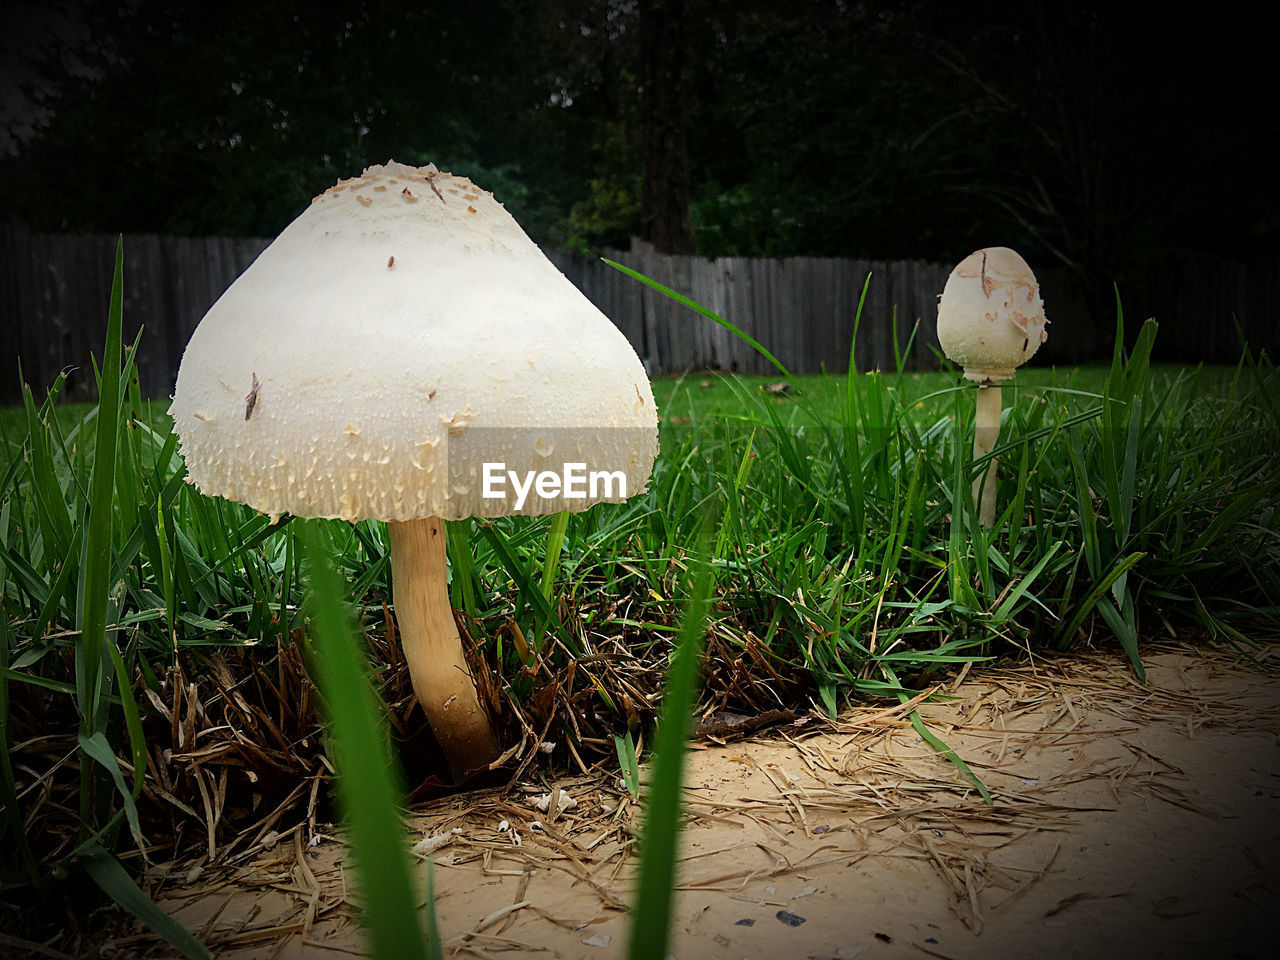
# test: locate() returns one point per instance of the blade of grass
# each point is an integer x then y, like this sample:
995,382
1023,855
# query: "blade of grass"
116,883
435,950
369,786
934,741
12,818
96,567
630,764
651,917
132,721
97,748
462,565
551,560
531,591
1098,591
709,314
97,561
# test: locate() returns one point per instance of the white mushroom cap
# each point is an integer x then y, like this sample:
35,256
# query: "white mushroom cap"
402,331
990,317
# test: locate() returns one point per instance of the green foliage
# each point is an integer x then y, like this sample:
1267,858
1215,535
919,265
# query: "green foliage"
610,214
739,222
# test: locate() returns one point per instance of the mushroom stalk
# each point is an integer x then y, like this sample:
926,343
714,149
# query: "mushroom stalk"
985,434
441,679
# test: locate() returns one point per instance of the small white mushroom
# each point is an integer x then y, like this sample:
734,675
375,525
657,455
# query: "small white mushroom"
990,321
565,802
435,841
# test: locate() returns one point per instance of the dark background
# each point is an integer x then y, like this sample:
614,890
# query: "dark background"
1100,140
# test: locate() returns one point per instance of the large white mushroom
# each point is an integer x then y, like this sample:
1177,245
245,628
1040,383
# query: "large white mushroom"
399,335
990,321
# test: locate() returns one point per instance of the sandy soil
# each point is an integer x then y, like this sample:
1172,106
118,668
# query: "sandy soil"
1128,820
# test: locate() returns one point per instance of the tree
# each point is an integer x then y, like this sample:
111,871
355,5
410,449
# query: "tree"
665,191
1080,133
183,121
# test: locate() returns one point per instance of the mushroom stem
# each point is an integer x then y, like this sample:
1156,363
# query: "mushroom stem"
985,433
432,647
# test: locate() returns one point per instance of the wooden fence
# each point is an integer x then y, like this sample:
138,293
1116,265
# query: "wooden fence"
54,290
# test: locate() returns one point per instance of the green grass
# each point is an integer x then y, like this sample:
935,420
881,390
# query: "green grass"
705,394
842,507
844,555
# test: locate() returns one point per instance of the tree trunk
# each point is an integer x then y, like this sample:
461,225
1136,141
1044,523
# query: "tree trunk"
664,196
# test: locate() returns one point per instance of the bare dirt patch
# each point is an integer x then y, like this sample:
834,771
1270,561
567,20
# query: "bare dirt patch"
1128,819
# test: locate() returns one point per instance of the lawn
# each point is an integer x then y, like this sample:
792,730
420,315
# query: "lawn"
836,535
711,394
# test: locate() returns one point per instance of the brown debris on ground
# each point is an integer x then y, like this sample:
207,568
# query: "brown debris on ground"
1128,817
235,746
